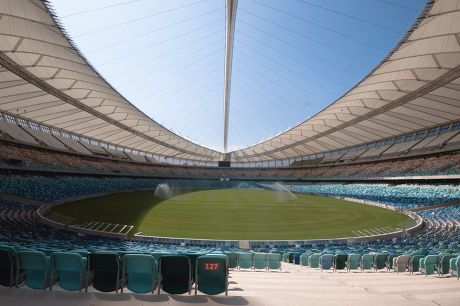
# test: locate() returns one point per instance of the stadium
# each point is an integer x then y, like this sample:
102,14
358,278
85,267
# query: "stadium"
358,203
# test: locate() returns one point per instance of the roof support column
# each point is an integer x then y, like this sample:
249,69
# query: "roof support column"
229,34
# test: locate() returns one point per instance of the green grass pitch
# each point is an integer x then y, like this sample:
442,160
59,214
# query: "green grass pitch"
234,214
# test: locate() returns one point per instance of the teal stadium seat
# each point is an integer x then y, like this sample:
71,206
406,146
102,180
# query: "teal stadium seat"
38,269
326,261
212,274
245,260
313,261
260,261
274,261
428,264
304,259
455,266
353,261
141,273
71,268
367,261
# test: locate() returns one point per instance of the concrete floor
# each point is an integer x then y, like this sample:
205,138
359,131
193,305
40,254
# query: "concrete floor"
294,285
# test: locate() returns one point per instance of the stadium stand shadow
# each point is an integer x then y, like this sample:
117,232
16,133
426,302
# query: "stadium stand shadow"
119,297
190,299
151,297
229,300
196,299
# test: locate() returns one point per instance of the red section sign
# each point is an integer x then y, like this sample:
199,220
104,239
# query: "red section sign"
211,266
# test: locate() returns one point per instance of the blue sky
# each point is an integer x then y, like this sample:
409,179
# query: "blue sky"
292,58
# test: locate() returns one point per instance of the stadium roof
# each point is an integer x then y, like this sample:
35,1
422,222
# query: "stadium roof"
45,79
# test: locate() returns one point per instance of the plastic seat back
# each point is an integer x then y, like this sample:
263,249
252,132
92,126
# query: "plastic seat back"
290,257
325,261
389,260
274,261
38,268
297,258
379,261
455,266
444,260
141,271
340,261
304,259
8,266
175,274
402,263
313,261
428,264
353,261
107,271
232,260
366,262
71,268
245,260
212,274
260,260
158,254
414,263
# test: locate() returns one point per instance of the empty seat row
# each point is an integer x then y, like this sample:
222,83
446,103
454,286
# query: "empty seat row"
109,271
443,263
254,261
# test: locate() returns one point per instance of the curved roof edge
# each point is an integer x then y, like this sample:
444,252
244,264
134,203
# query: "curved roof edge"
355,117
37,32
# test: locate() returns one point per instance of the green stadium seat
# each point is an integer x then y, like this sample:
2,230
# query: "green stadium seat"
10,275
106,268
232,259
71,268
175,274
389,261
141,273
290,257
340,261
212,274
158,254
443,264
379,261
193,256
414,263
